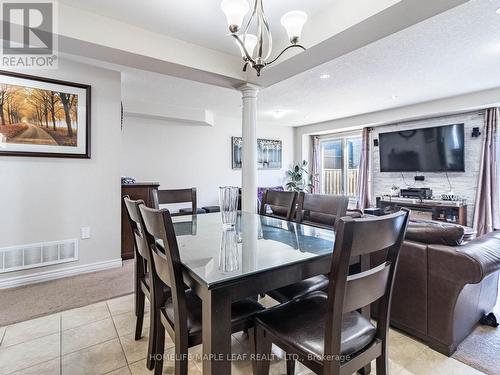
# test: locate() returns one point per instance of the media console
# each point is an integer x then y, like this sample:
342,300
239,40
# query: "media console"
447,211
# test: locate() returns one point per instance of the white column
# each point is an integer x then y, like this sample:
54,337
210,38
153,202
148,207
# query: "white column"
249,148
250,236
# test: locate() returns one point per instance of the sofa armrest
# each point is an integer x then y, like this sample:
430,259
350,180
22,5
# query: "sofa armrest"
469,263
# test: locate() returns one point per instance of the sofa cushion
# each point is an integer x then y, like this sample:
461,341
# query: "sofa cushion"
435,233
485,250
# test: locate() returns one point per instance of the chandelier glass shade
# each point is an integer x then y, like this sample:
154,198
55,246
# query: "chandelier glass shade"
255,39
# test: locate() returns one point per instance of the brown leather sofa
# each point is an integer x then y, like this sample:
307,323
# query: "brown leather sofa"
443,287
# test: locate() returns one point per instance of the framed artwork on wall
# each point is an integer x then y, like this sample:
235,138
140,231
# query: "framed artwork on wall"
269,153
43,117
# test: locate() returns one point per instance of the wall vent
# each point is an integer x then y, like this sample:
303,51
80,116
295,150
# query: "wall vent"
43,254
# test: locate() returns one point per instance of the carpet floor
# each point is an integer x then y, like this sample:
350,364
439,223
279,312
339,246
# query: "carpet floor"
32,301
481,349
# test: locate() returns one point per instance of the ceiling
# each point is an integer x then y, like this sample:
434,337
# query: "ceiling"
167,91
450,54
185,38
196,21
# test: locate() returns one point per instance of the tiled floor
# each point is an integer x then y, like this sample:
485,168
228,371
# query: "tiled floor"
98,339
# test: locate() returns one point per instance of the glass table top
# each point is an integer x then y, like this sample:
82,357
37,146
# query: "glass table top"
256,244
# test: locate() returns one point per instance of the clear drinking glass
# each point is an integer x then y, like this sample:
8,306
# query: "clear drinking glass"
228,256
228,201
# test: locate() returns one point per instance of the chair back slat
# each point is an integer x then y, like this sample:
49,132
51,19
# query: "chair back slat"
173,196
280,199
320,209
176,195
375,234
137,225
162,268
366,287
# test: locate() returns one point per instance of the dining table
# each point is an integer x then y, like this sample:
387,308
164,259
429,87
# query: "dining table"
257,255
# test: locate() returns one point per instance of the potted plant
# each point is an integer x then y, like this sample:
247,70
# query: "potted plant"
299,178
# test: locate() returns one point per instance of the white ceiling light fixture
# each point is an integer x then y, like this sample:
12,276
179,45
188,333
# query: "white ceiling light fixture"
498,11
324,76
279,113
255,41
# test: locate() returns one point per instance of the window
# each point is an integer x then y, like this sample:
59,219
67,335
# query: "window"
340,165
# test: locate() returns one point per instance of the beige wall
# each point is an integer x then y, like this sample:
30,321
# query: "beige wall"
181,155
50,199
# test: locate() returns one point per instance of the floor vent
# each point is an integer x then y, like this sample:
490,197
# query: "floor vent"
22,257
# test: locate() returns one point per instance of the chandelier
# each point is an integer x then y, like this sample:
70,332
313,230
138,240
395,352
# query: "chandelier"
255,40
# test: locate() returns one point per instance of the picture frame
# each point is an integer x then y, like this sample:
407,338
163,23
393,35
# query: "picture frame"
44,117
269,153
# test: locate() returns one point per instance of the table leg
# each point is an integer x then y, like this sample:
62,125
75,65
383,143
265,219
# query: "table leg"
216,333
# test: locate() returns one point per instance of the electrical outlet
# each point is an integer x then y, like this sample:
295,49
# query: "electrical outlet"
85,233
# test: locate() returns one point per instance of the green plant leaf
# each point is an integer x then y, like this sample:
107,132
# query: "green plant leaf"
298,177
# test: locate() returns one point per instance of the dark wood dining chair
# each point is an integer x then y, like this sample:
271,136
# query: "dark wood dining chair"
325,330
180,313
142,279
320,211
172,196
281,203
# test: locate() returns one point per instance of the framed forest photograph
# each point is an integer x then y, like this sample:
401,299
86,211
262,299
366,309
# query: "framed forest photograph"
43,117
269,153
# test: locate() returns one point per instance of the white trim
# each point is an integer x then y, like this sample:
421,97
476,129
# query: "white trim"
341,134
58,273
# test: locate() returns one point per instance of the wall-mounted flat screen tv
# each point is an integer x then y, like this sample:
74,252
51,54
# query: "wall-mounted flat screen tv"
436,149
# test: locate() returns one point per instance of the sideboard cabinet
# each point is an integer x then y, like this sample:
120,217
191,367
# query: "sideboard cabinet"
147,191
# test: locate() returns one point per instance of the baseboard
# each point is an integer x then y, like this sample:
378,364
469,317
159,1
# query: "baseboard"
58,273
